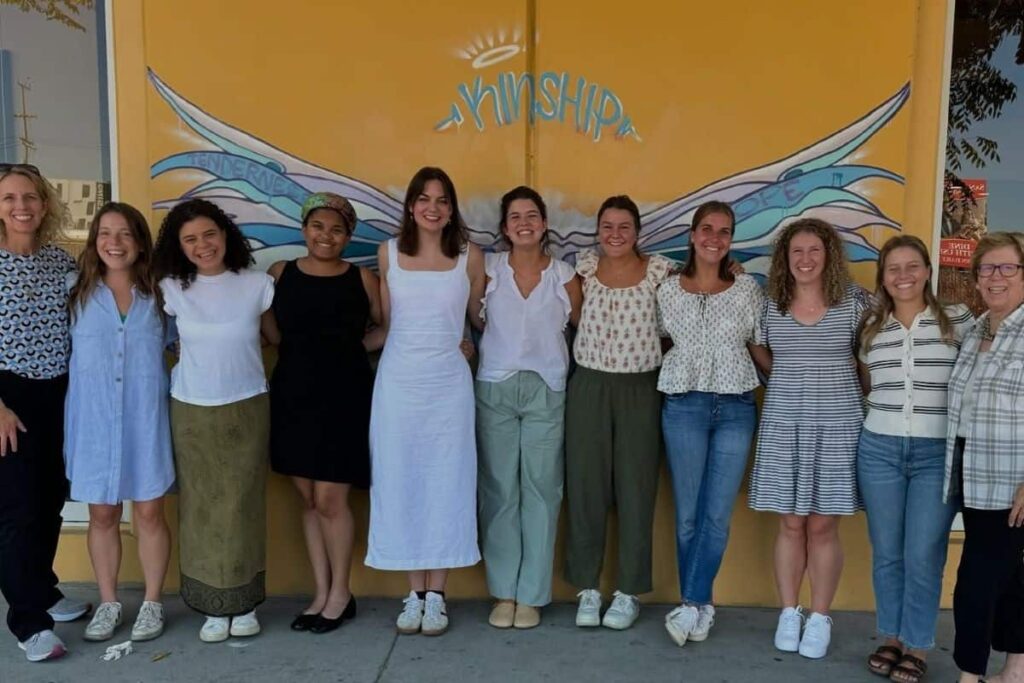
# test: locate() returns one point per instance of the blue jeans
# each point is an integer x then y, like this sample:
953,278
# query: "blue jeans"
901,483
707,440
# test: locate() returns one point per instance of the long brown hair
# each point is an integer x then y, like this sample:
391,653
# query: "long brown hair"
884,306
704,210
454,236
91,268
835,277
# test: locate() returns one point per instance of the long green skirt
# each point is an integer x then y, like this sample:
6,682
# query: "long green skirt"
221,454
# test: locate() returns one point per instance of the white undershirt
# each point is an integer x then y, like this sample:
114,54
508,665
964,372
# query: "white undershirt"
218,320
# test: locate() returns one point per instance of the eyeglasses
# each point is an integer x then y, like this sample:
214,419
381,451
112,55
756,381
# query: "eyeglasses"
1005,269
4,168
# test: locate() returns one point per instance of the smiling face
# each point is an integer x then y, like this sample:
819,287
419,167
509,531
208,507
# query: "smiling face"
807,258
115,242
432,209
524,225
326,234
22,207
905,275
711,238
204,244
1000,293
616,232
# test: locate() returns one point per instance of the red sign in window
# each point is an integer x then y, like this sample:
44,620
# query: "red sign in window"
956,253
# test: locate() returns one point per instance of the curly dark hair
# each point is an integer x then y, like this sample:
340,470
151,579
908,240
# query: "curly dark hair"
170,261
834,278
455,234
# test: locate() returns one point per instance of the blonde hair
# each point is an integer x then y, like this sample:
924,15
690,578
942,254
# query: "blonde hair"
992,241
835,277
57,216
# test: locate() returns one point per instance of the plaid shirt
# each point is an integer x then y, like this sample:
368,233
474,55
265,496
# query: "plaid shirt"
993,460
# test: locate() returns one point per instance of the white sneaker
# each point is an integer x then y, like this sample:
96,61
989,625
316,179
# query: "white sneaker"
589,611
680,622
245,625
69,609
42,646
149,623
435,616
817,635
623,612
106,619
411,618
705,620
214,630
787,633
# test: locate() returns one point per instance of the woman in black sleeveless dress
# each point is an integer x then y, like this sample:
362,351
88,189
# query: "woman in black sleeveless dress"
320,395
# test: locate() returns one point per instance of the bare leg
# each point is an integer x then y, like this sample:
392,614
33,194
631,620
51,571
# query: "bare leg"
824,560
437,579
338,532
417,580
154,544
104,541
790,558
314,545
1013,670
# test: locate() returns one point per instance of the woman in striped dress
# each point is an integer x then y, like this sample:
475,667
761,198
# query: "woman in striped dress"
805,465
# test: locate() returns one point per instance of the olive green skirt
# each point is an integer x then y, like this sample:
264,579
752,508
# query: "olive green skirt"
221,453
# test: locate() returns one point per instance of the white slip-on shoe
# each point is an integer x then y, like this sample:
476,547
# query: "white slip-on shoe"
245,625
215,629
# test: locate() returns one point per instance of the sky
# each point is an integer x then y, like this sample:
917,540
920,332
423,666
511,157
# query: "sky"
63,67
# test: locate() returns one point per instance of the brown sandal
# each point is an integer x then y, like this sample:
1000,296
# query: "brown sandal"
882,660
910,668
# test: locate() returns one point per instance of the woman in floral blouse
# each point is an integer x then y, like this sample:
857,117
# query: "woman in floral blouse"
613,411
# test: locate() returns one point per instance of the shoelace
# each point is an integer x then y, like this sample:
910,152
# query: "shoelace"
589,598
107,612
413,606
621,602
149,616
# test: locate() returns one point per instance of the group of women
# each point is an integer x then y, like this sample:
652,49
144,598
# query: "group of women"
457,468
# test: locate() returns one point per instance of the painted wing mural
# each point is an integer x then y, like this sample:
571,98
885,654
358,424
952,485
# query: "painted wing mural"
263,187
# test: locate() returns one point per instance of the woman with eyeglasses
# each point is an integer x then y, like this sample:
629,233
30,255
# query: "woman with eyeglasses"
985,466
34,352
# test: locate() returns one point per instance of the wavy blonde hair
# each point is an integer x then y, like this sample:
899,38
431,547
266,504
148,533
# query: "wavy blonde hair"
835,277
57,216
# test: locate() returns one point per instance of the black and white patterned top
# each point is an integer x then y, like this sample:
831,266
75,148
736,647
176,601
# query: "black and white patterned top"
34,339
709,337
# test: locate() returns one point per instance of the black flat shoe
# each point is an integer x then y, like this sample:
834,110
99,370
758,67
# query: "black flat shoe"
304,622
325,625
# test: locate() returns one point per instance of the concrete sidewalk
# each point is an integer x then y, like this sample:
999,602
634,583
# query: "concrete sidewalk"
368,649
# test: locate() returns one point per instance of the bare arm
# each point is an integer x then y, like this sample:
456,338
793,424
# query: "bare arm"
762,356
374,338
385,294
864,375
575,290
477,284
268,323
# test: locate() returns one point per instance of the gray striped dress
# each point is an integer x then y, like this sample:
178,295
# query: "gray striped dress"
813,411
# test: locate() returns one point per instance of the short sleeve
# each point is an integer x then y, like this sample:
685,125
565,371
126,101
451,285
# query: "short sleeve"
563,271
170,289
492,264
586,264
862,301
267,295
170,331
659,321
69,281
658,269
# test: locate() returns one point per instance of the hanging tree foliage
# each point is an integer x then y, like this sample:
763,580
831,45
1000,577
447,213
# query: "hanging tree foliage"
62,11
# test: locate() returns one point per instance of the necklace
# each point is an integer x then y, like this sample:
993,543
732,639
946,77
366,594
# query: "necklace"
985,329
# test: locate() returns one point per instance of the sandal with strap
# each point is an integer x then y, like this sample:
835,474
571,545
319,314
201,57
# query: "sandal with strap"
909,669
882,660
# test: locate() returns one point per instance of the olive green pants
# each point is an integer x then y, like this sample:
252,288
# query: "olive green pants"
612,452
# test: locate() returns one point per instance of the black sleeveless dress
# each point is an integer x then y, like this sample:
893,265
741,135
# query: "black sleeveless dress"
321,388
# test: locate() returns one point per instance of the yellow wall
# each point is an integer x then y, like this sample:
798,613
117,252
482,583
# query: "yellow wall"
712,90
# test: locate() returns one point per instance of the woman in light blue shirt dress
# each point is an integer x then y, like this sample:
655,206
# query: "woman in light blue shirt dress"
117,443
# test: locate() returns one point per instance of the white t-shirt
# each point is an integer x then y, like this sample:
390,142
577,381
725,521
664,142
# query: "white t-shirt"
218,320
525,334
